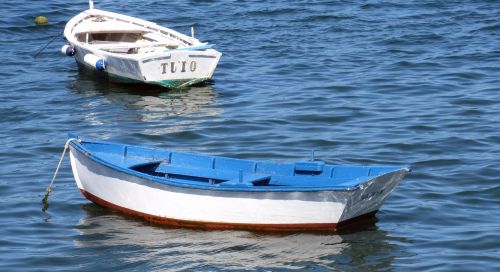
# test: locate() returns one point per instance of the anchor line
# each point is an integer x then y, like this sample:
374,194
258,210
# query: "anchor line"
49,189
45,46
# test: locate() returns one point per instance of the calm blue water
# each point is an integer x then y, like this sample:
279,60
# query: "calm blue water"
384,82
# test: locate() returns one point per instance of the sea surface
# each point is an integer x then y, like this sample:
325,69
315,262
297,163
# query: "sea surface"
359,82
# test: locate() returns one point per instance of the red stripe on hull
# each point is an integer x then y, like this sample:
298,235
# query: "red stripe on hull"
228,226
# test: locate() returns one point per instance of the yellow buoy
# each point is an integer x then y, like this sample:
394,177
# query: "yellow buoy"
41,20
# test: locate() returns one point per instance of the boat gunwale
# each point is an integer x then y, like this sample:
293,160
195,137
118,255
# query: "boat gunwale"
182,39
84,15
202,186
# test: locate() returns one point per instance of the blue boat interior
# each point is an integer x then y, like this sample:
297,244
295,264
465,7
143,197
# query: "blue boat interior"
217,171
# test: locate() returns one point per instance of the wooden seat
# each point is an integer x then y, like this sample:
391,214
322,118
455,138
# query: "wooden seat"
214,176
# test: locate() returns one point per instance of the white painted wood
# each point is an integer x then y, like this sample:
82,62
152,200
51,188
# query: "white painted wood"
140,50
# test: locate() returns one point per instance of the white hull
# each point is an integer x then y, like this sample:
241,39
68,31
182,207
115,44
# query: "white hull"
139,51
279,210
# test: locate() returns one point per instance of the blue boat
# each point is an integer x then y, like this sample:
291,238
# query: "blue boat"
211,192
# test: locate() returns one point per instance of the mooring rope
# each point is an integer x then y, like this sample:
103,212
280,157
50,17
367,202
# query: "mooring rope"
49,189
45,46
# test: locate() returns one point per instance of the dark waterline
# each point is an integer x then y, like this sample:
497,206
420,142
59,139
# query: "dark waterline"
361,82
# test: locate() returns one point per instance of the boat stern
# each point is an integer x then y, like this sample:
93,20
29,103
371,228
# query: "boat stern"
180,68
370,195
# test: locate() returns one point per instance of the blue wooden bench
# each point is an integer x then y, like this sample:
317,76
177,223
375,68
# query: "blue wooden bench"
229,178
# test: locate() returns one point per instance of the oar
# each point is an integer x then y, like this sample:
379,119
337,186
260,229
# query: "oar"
50,41
193,48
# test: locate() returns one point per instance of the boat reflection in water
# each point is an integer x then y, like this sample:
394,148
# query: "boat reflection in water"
162,248
153,109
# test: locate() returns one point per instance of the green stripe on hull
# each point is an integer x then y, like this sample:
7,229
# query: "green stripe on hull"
172,84
178,83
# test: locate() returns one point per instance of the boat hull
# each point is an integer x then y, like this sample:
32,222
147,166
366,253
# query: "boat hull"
174,70
311,210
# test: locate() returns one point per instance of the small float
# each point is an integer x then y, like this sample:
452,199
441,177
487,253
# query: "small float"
211,192
129,49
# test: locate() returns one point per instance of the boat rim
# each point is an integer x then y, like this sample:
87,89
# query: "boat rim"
80,17
242,188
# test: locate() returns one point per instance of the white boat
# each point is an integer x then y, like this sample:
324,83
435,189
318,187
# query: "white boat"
129,49
210,192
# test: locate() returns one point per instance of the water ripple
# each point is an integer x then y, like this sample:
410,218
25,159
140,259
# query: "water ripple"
381,82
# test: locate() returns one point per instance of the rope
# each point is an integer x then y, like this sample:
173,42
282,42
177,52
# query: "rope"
45,46
49,189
